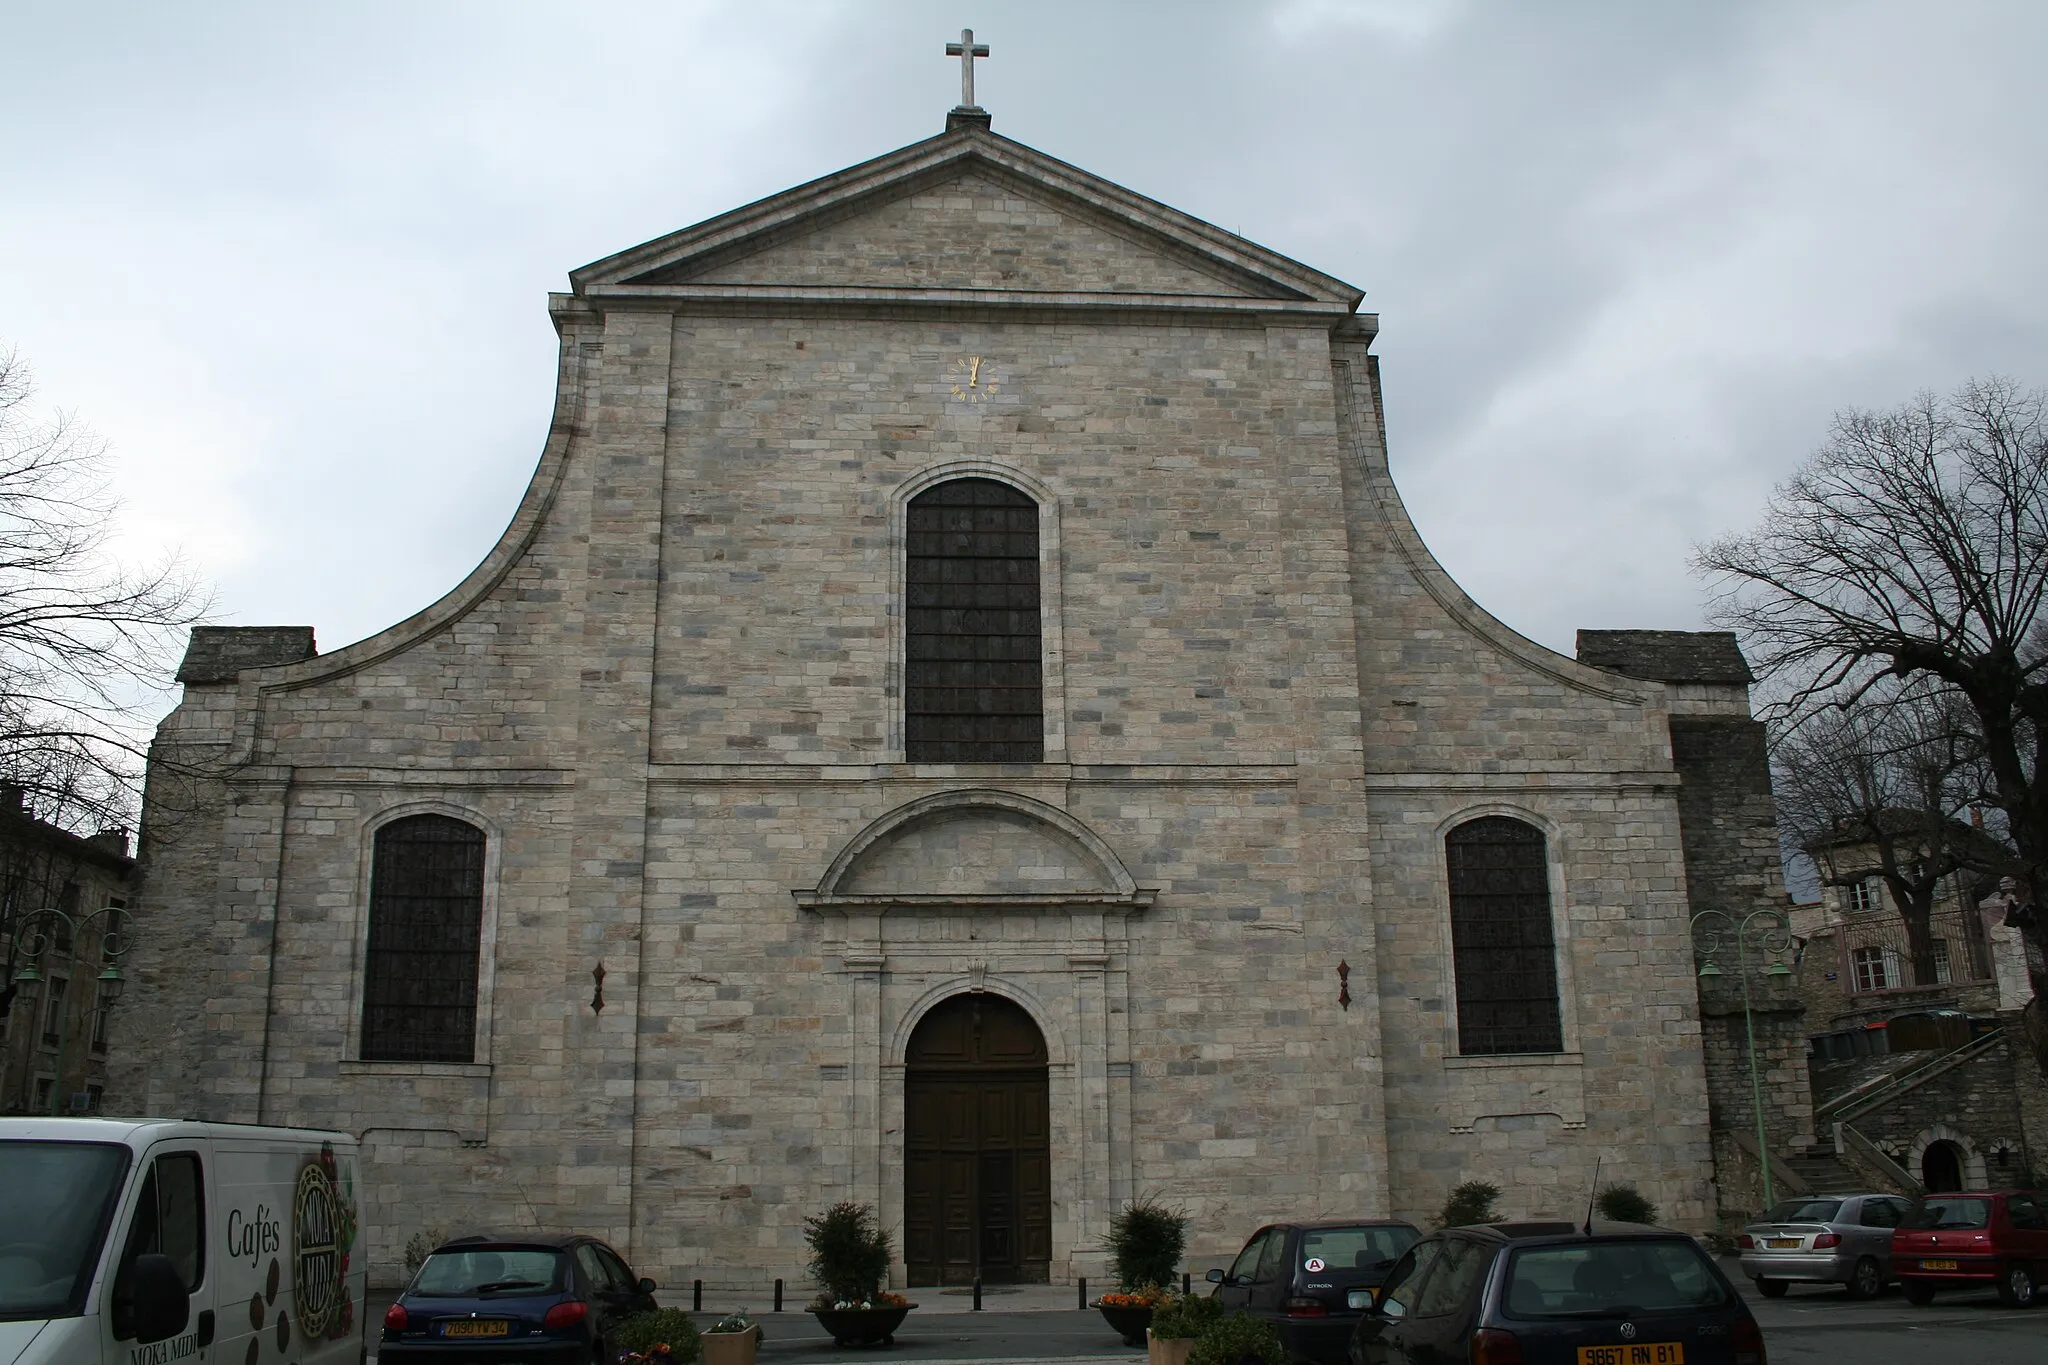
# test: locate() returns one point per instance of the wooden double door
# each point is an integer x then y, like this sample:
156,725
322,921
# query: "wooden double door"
977,1146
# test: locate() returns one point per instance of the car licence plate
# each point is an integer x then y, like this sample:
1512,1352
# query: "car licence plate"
1782,1243
1647,1353
1937,1265
480,1327
1358,1298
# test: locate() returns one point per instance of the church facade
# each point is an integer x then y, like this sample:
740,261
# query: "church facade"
959,721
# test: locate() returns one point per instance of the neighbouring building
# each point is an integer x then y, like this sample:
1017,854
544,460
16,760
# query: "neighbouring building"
53,1003
960,721
1921,1072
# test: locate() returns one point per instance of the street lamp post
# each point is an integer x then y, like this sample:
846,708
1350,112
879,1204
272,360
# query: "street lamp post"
41,939
1771,931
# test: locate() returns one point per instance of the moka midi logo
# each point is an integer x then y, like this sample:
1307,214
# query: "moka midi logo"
323,1236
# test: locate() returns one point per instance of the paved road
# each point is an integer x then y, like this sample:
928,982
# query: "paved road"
1806,1327
1821,1325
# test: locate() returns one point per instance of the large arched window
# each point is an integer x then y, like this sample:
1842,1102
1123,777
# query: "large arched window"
1501,941
426,920
973,685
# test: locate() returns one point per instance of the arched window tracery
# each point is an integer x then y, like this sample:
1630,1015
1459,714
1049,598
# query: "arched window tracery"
422,957
1502,946
973,677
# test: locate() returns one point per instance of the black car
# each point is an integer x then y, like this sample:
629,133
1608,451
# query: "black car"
1312,1280
1558,1294
548,1300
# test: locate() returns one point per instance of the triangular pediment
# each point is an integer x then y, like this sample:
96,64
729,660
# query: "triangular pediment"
974,231
965,211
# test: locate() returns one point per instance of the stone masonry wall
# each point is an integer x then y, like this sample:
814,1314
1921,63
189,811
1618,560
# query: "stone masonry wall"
1973,1105
1463,717
670,699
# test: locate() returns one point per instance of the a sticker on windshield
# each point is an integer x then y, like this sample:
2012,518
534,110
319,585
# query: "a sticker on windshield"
1313,1265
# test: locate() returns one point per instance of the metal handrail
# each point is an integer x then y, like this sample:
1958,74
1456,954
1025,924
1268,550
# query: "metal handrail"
1856,1103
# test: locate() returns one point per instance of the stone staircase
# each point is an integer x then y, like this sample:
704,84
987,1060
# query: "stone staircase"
1825,1173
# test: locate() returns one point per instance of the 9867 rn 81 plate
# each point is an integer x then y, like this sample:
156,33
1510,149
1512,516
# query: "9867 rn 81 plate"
1634,1353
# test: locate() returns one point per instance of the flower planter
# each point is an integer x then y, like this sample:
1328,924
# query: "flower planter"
1163,1350
731,1348
861,1326
1131,1323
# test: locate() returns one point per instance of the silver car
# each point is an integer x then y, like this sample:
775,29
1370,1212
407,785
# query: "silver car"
1841,1239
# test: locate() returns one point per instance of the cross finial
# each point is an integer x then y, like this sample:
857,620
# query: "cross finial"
967,50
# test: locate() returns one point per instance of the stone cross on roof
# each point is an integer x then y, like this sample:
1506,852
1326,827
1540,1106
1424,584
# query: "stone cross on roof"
967,50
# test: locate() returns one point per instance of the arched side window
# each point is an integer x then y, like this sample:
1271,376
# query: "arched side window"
973,682
426,921
1501,942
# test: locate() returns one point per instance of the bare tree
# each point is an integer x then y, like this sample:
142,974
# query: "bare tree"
1888,785
86,642
1913,546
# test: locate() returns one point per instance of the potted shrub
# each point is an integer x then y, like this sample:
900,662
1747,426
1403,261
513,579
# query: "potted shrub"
850,1260
732,1340
1239,1339
1145,1243
1625,1204
1176,1324
663,1337
1469,1205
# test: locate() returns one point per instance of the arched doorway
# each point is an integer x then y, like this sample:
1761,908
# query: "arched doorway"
977,1178
1941,1167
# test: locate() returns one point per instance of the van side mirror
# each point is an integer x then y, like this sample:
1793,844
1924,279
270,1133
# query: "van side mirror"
1214,1277
647,1286
162,1304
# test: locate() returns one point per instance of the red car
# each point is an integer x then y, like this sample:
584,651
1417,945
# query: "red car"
1972,1239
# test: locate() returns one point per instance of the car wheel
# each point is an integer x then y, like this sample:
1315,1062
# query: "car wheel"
1866,1281
2016,1287
1771,1289
1919,1291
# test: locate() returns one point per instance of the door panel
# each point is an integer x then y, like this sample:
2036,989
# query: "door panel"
977,1158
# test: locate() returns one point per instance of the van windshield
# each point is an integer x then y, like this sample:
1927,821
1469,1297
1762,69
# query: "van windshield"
55,1201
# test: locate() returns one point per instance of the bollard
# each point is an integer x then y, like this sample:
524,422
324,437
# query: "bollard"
1083,1305
977,1293
1187,1284
778,1296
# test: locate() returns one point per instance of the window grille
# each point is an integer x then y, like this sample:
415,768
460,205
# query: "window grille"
973,686
426,917
53,1010
1874,969
1501,942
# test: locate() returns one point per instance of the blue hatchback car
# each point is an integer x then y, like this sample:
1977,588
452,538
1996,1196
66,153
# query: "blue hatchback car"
543,1300
1558,1294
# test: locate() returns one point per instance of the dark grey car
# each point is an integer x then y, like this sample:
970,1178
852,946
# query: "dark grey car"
1313,1280
1556,1294
1843,1239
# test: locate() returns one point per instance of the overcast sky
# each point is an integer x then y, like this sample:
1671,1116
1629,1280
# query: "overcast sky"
292,260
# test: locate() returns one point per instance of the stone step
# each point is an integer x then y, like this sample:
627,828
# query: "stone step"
1821,1169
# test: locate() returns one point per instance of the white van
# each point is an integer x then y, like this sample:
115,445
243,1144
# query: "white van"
148,1241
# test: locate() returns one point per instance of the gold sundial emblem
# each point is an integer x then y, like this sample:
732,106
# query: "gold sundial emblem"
974,379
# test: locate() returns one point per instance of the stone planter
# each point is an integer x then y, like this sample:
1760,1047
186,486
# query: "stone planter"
732,1348
1163,1350
1129,1323
861,1326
